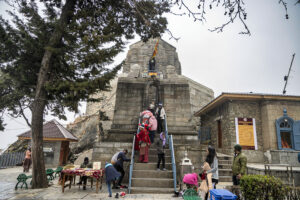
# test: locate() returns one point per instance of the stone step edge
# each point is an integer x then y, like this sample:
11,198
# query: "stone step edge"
152,171
153,179
152,188
151,163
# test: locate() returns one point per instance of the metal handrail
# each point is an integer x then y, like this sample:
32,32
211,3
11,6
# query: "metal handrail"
171,146
132,158
166,130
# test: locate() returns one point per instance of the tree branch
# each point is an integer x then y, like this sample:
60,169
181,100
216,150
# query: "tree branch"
22,113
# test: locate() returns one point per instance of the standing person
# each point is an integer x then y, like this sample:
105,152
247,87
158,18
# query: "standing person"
160,116
206,183
119,166
27,160
153,128
83,179
144,142
152,108
111,174
160,145
212,160
239,164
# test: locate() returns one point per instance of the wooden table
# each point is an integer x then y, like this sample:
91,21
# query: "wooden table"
70,175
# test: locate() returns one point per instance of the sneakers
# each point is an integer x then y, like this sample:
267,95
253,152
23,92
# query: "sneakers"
164,169
157,169
117,195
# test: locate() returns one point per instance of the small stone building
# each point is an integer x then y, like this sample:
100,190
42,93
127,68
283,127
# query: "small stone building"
267,126
56,140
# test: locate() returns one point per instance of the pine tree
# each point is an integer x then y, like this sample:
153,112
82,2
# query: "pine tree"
55,55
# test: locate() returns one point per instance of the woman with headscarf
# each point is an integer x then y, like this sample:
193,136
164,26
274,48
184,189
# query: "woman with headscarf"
144,143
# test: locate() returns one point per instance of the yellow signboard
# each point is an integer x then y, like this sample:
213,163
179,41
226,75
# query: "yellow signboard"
246,135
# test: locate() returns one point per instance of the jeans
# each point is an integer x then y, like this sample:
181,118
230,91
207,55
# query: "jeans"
160,125
121,170
152,135
108,183
161,157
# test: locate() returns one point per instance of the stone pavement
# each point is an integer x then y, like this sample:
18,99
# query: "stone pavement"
8,181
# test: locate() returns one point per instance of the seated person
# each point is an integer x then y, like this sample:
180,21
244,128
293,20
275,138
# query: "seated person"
83,179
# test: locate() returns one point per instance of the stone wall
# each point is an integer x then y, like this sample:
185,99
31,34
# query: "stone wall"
284,157
140,53
104,151
271,111
226,113
211,119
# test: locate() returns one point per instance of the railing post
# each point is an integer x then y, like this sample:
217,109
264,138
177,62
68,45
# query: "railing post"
166,130
132,157
171,146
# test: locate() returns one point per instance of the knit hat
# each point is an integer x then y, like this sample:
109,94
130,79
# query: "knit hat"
238,147
191,179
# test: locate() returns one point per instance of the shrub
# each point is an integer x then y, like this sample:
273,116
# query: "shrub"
261,187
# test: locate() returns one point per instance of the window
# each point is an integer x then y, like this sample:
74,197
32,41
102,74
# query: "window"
287,135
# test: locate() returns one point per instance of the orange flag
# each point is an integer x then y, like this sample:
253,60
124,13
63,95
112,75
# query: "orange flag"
155,49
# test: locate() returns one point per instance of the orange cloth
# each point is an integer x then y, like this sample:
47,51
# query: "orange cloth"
28,154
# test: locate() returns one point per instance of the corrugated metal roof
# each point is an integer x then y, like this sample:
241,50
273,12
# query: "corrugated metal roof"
53,129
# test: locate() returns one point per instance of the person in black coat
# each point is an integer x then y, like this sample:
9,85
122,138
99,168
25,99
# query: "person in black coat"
119,165
111,174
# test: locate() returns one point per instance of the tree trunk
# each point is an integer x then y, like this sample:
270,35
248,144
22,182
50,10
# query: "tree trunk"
39,179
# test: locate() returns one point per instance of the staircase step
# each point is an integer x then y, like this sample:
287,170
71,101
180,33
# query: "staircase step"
154,152
154,158
225,172
150,166
225,178
152,182
152,174
151,190
225,166
221,162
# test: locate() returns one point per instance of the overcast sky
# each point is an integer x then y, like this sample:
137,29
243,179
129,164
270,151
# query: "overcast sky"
228,61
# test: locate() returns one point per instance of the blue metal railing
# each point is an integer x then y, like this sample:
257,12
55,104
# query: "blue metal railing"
171,146
132,158
166,130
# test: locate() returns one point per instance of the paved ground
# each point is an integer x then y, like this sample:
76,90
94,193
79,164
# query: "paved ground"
8,181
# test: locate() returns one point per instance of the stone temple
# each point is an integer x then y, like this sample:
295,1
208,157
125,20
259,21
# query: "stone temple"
133,91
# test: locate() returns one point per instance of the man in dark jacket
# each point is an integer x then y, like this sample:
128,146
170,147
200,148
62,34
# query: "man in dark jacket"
239,165
83,179
119,165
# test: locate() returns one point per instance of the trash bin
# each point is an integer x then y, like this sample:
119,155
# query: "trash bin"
221,194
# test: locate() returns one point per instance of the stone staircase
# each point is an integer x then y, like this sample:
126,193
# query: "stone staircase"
225,172
145,177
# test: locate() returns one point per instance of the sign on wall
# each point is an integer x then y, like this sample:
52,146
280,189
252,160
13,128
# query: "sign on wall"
246,133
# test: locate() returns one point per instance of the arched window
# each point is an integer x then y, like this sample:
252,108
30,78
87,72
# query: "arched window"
284,129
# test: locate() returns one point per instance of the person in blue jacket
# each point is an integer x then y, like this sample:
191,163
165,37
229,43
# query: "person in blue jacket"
111,174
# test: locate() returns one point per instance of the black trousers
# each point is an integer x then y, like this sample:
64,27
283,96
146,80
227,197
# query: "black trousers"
121,170
161,157
152,135
83,179
235,180
160,125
